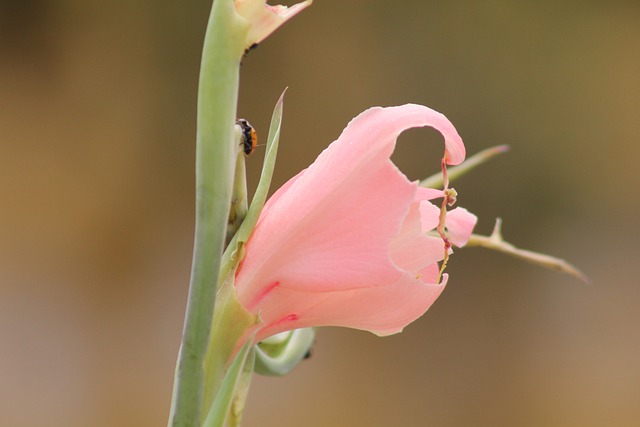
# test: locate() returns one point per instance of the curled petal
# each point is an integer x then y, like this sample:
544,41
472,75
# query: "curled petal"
265,19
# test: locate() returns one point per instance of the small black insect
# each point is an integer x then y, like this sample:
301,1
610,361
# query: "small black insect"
249,136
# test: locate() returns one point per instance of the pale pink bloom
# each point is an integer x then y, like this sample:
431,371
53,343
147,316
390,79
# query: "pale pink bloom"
344,242
265,19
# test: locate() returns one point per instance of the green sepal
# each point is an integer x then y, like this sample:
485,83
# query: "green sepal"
278,355
230,323
233,253
221,406
242,391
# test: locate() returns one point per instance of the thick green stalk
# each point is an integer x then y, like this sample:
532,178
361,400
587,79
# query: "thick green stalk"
215,159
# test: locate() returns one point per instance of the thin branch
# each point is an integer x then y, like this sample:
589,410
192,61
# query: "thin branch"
496,242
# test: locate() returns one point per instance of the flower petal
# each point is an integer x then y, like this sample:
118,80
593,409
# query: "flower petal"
411,249
265,19
342,242
320,241
373,309
460,223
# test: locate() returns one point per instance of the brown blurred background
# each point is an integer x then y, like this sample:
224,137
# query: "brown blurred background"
97,108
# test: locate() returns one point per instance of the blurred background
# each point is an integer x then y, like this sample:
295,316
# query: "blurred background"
97,131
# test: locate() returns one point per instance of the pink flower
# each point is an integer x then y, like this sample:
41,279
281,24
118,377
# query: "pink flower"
265,19
344,243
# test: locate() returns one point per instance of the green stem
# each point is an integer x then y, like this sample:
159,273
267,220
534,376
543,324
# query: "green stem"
239,201
435,181
215,159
